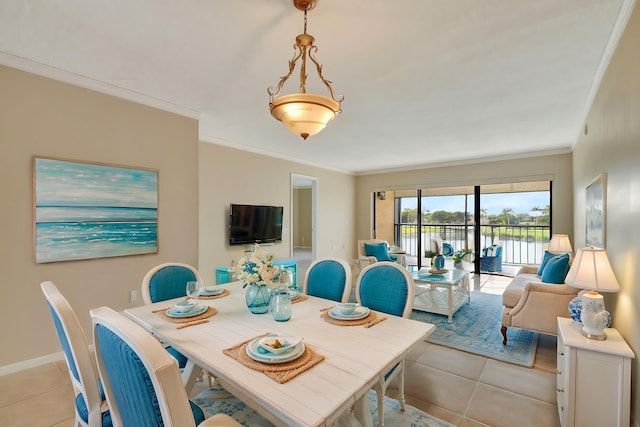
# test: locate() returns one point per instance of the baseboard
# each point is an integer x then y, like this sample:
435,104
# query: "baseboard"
31,363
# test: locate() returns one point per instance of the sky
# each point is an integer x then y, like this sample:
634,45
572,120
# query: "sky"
493,203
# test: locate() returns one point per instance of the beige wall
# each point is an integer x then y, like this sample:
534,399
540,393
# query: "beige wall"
612,145
556,168
302,218
230,176
43,117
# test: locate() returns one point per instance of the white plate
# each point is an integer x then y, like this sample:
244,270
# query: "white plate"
199,309
358,313
294,295
253,352
211,291
288,343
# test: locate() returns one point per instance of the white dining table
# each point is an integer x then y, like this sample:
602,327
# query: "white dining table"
355,357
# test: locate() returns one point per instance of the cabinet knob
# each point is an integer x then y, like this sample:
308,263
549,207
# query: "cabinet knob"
559,372
561,353
560,390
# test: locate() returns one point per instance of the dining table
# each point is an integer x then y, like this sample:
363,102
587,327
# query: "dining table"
349,358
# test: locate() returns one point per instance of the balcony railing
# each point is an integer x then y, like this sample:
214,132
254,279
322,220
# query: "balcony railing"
521,244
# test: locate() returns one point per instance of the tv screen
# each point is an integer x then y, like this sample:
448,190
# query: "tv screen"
255,224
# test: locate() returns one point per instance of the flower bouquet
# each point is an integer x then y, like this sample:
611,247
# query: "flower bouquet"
257,270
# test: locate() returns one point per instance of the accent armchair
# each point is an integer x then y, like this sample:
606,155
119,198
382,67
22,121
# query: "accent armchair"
491,259
376,250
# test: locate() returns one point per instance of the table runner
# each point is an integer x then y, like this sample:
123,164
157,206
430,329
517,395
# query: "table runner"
282,372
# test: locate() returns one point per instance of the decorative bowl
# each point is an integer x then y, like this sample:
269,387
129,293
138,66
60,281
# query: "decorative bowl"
279,344
185,306
345,307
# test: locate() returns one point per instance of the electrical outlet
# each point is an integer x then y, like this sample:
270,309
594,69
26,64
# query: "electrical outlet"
133,296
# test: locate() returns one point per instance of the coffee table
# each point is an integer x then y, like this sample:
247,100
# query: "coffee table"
442,293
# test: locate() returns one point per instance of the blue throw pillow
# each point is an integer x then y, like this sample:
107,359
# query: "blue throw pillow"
378,250
556,269
545,259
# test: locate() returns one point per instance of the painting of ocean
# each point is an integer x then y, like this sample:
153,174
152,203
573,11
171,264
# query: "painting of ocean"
85,210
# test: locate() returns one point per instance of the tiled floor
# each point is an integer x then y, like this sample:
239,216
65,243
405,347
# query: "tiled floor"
464,389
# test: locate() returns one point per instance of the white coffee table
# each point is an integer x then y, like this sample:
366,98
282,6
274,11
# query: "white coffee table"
441,293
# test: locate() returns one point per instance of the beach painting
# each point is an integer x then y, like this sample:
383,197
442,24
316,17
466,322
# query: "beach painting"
87,210
596,211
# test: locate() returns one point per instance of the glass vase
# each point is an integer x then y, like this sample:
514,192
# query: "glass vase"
257,298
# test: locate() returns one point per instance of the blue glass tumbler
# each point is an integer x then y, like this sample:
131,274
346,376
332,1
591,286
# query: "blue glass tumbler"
281,305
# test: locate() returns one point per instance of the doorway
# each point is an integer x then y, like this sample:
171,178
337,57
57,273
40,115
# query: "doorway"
303,222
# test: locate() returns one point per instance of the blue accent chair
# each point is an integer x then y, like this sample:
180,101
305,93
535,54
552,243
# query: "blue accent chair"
141,380
87,388
328,278
493,262
168,281
387,287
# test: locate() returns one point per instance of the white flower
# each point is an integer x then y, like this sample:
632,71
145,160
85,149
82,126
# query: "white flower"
257,267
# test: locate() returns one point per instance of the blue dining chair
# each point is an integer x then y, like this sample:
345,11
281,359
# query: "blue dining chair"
168,281
388,288
90,405
328,278
142,381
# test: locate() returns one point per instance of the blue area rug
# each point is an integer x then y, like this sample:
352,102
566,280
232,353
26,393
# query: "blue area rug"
217,399
476,329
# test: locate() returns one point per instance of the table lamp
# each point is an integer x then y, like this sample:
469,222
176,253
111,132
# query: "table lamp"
592,271
560,244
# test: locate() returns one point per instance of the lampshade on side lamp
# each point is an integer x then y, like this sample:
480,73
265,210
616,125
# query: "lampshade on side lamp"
560,244
303,113
592,271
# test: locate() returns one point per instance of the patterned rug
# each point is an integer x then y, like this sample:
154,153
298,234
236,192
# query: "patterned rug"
217,399
476,329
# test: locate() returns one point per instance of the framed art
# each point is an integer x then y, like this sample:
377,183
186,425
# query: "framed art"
89,210
596,211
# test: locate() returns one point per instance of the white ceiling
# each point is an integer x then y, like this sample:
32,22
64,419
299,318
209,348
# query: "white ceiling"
426,82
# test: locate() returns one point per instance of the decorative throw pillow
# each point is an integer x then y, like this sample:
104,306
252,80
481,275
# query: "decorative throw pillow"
378,250
556,269
545,259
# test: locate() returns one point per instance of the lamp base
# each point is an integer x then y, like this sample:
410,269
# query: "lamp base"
594,336
594,317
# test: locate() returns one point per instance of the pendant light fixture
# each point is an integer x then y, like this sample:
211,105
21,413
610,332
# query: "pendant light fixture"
303,113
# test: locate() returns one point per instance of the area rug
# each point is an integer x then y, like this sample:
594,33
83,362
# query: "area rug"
217,399
476,329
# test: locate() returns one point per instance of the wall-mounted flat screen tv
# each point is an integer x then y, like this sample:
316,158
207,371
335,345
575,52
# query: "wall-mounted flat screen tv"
255,224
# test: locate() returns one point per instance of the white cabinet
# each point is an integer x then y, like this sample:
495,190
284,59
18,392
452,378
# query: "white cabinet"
594,378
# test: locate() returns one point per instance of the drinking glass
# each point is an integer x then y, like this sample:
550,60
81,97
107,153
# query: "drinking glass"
281,305
193,289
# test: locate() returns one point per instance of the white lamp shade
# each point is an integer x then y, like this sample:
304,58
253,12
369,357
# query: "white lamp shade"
591,270
560,244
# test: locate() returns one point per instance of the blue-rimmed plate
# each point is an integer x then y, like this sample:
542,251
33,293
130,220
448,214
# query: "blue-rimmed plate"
255,352
294,295
358,313
208,292
198,309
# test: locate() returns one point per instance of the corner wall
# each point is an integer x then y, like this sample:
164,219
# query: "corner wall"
43,117
612,145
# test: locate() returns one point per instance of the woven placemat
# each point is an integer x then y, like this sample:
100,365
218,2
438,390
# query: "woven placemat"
209,313
223,294
281,372
371,317
302,297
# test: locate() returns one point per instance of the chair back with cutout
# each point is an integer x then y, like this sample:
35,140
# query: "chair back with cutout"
328,278
84,377
386,287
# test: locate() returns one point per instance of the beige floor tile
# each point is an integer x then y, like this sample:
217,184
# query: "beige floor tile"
42,411
439,388
31,382
472,423
528,382
500,408
65,423
546,355
455,362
